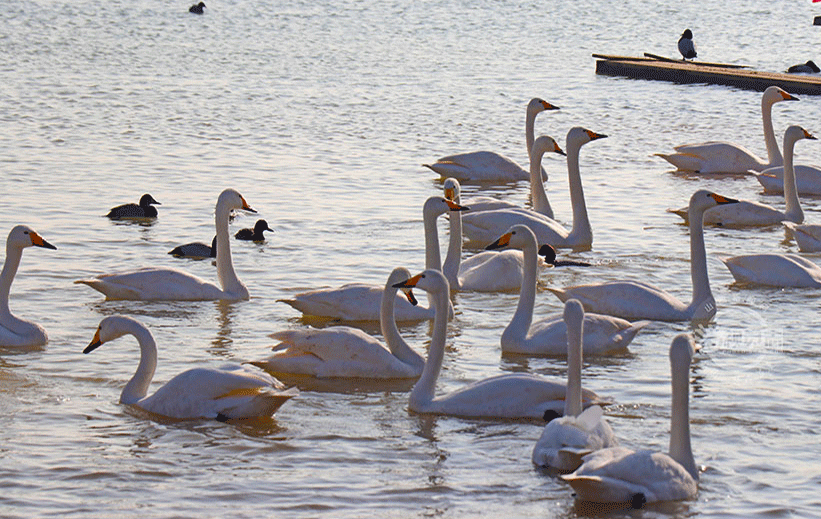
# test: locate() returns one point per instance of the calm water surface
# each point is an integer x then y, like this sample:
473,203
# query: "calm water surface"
321,115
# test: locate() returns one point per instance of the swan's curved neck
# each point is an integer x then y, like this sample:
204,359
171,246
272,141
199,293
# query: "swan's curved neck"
228,279
698,262
433,259
537,192
137,387
573,396
13,256
680,449
423,391
581,223
530,133
453,259
792,210
519,325
387,323
773,153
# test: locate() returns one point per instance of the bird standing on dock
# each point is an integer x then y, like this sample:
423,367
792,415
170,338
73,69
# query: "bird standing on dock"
686,46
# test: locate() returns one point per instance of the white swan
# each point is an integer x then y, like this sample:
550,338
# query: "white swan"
484,271
566,439
488,166
774,270
342,351
513,395
807,180
167,284
724,157
226,393
748,213
361,302
636,300
622,475
603,334
13,330
806,235
486,226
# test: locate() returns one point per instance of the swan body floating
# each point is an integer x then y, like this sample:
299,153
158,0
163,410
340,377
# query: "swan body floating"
754,214
486,226
488,166
145,209
362,302
166,284
13,330
686,46
225,393
511,396
603,334
724,157
622,475
255,234
807,180
342,351
807,236
195,250
635,300
488,271
774,270
575,434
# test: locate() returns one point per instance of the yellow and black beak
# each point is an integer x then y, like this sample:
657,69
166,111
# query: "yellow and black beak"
95,342
450,193
38,240
721,200
593,135
411,298
548,106
788,97
502,242
409,283
808,135
247,207
456,207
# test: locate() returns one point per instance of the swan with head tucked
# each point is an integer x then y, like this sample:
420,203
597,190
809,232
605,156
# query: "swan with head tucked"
13,330
622,475
144,209
511,396
225,393
167,284
487,166
748,213
362,302
575,434
345,352
725,157
636,300
603,334
774,270
486,226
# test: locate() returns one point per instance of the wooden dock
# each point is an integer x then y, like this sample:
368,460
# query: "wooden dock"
659,68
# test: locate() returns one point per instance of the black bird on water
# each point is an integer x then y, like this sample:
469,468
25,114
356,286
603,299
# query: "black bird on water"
141,210
807,68
255,234
686,46
197,8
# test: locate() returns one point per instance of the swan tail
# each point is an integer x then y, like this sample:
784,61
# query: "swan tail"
264,402
627,335
683,161
449,169
561,294
683,212
119,292
598,489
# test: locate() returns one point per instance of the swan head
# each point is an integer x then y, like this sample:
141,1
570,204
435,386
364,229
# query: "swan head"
703,200
682,350
24,236
453,190
578,137
545,144
429,280
399,275
517,237
147,200
110,328
795,133
573,311
774,94
231,199
437,205
260,226
537,105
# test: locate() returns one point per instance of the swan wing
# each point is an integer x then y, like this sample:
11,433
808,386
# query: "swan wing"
479,165
629,300
717,157
807,236
354,302
603,334
491,271
155,284
777,270
486,226
807,179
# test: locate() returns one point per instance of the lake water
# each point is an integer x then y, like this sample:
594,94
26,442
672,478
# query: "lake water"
321,115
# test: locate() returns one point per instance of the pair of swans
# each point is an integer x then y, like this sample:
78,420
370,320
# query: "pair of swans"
622,475
635,300
577,433
748,213
346,352
232,392
725,157
488,166
361,301
508,396
13,330
486,226
167,284
603,334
